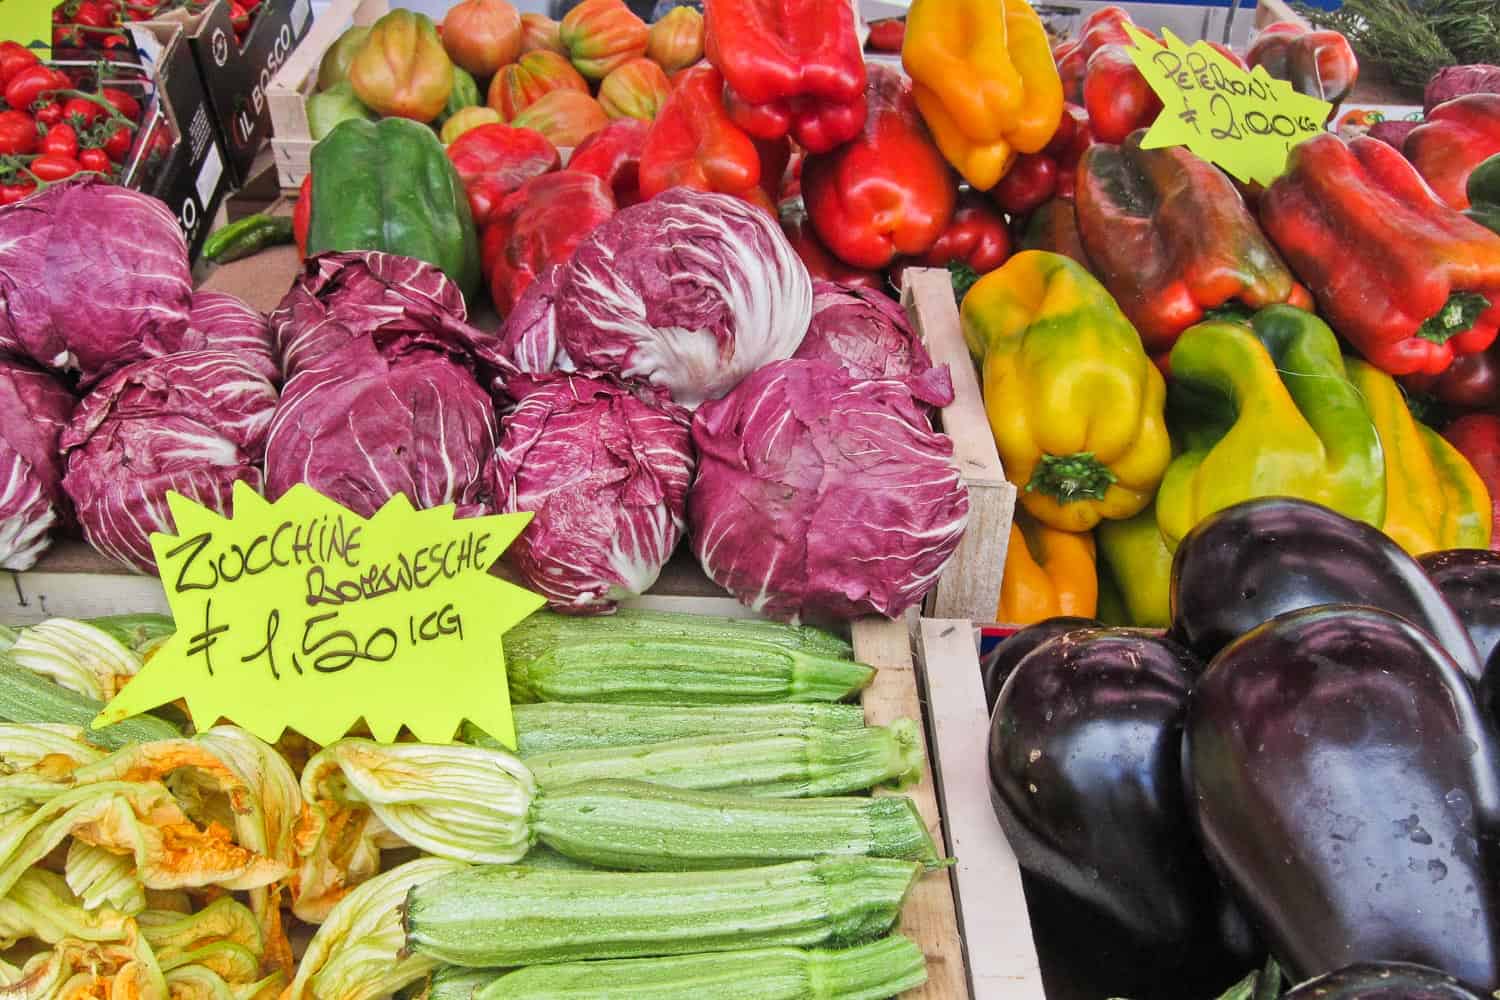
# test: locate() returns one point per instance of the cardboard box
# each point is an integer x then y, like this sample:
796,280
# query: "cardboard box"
236,76
193,180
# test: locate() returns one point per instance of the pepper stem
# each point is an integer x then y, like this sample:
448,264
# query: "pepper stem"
963,277
1457,315
1066,478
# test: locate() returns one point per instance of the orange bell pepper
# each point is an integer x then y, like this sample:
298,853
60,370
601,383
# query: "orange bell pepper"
1047,573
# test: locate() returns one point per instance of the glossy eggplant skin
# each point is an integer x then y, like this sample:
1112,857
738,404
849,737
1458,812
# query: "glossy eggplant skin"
1386,981
1246,564
1470,580
1344,784
1086,781
1000,661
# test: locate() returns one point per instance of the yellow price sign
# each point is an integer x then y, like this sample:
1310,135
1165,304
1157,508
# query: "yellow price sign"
28,22
302,614
1245,122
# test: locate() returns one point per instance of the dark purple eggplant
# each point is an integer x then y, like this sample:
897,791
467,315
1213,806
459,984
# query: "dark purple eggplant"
1344,784
1000,661
1246,564
1386,981
1470,580
1086,780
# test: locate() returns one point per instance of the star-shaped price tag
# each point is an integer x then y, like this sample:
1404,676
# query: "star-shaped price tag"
1245,122
301,614
28,22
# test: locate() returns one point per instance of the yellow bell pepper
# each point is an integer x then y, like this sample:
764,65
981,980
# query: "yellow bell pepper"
1047,573
984,79
1434,499
1076,406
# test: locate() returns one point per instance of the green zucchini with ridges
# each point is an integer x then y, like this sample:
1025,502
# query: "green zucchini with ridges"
873,971
546,629
30,698
640,827
451,982
509,915
550,726
765,765
680,672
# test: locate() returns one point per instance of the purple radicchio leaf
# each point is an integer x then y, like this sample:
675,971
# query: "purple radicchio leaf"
376,417
868,334
823,497
93,276
219,321
605,467
689,291
194,422
342,296
36,406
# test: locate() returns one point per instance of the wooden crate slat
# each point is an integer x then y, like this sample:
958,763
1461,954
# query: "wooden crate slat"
929,917
1001,952
970,586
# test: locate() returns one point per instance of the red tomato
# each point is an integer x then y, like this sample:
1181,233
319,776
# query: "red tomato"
17,133
14,57
49,115
91,14
95,159
27,86
14,192
82,113
60,140
124,103
49,167
117,146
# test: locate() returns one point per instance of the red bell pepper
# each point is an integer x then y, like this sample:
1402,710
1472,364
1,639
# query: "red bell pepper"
886,34
1319,64
494,160
693,143
791,67
1117,97
538,225
1105,26
1038,177
613,154
888,192
1472,382
1054,228
1072,62
302,215
1457,136
1477,437
975,243
1404,278
821,264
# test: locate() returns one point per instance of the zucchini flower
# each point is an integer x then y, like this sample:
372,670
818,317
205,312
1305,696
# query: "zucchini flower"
86,969
41,907
360,950
77,656
38,760
103,878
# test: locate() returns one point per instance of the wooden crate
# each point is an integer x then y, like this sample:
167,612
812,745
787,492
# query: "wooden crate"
970,587
995,925
291,138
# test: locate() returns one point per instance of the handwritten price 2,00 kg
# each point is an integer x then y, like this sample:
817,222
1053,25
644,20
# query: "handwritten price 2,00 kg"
1198,73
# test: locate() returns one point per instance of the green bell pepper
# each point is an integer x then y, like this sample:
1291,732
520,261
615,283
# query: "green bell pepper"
1135,572
1484,194
1266,409
465,94
327,108
389,186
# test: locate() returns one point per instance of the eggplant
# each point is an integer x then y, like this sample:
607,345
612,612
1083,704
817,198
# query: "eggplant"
1086,780
1246,564
1470,581
1344,784
1000,661
1386,981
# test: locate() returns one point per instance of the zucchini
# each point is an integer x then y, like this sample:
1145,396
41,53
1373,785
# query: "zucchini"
767,765
29,698
873,971
508,915
647,658
139,632
549,726
452,982
641,827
